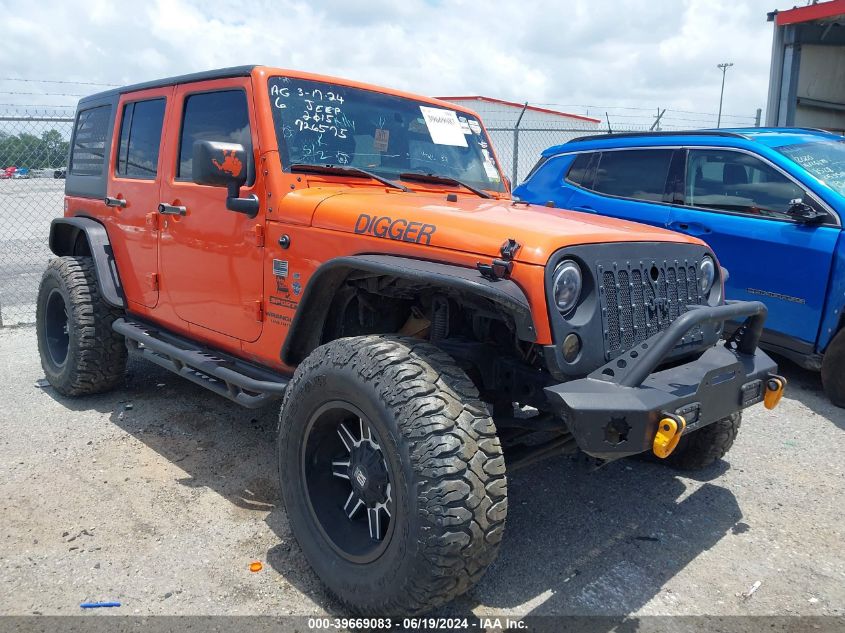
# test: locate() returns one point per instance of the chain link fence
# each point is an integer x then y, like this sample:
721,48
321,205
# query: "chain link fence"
519,148
33,158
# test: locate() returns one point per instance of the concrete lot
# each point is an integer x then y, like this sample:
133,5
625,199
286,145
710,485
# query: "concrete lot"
160,494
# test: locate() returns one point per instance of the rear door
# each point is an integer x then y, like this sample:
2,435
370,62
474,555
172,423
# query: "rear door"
630,184
211,257
134,182
737,203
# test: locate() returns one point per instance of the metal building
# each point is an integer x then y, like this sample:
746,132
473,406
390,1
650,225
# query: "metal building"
807,78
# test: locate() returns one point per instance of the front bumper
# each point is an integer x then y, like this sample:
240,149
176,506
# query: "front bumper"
614,412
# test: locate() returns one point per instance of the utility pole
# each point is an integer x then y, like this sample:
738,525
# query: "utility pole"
656,124
723,67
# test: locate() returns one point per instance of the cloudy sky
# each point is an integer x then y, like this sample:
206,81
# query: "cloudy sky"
612,54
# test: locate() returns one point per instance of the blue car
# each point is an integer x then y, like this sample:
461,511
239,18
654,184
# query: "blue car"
769,201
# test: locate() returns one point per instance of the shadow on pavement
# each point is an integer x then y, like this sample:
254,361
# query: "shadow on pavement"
805,386
579,540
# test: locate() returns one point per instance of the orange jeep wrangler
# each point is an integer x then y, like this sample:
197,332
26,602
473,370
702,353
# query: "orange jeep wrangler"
354,251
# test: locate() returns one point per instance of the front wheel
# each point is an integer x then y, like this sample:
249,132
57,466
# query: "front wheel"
392,474
833,370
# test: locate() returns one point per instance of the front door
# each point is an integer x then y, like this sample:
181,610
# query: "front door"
134,183
737,203
211,257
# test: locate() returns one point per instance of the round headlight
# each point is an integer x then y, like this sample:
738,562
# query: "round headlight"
567,285
706,275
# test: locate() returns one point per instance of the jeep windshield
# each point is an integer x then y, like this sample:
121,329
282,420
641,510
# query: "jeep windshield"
320,123
825,160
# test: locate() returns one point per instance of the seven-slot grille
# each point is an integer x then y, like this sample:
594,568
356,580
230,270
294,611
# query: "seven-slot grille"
641,298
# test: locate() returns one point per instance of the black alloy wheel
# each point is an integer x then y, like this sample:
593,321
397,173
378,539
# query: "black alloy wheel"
56,328
348,481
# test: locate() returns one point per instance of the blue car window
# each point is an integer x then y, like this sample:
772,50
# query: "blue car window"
579,167
740,183
825,160
639,174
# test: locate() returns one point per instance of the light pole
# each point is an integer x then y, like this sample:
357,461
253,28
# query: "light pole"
723,67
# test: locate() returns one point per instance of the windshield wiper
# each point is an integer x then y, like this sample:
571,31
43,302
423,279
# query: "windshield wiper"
444,180
347,171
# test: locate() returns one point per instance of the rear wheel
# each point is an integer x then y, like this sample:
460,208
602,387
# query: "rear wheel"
833,370
80,353
392,474
706,445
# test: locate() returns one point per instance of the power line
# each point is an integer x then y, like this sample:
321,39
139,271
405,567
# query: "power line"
36,105
58,81
640,109
44,94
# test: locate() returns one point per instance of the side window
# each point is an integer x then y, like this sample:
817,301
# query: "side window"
734,181
638,174
140,139
89,141
212,116
579,168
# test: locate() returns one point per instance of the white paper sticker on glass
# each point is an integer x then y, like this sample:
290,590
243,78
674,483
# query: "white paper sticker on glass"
443,126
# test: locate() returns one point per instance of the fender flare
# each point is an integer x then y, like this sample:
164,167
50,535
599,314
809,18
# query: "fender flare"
309,320
64,235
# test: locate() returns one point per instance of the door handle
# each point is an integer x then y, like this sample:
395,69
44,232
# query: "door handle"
693,228
169,209
584,209
114,202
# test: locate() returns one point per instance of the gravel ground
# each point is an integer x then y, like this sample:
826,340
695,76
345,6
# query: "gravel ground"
159,495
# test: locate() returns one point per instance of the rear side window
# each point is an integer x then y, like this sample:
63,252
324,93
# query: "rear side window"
638,174
580,171
140,139
212,116
89,141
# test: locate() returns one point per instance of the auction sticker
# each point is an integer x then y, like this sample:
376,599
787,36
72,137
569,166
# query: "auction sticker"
443,126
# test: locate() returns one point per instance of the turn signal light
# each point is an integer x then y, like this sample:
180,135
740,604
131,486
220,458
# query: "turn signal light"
668,435
774,391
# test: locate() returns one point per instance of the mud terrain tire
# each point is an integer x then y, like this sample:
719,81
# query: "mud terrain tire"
704,446
80,353
436,440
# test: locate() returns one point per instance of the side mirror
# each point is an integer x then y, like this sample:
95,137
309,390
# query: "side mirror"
219,164
804,213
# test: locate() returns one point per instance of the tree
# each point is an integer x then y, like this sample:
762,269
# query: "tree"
49,151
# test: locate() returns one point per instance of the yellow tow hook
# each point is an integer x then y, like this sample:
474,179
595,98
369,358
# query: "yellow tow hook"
774,391
668,435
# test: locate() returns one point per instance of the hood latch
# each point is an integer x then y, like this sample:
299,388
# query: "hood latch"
500,268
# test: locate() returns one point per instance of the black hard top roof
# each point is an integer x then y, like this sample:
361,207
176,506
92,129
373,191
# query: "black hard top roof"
220,73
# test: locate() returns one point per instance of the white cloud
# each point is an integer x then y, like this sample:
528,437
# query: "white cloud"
637,53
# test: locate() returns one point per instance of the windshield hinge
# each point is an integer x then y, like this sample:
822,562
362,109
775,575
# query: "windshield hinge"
509,249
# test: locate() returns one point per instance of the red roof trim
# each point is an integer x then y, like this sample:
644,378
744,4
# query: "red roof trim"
812,12
520,105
